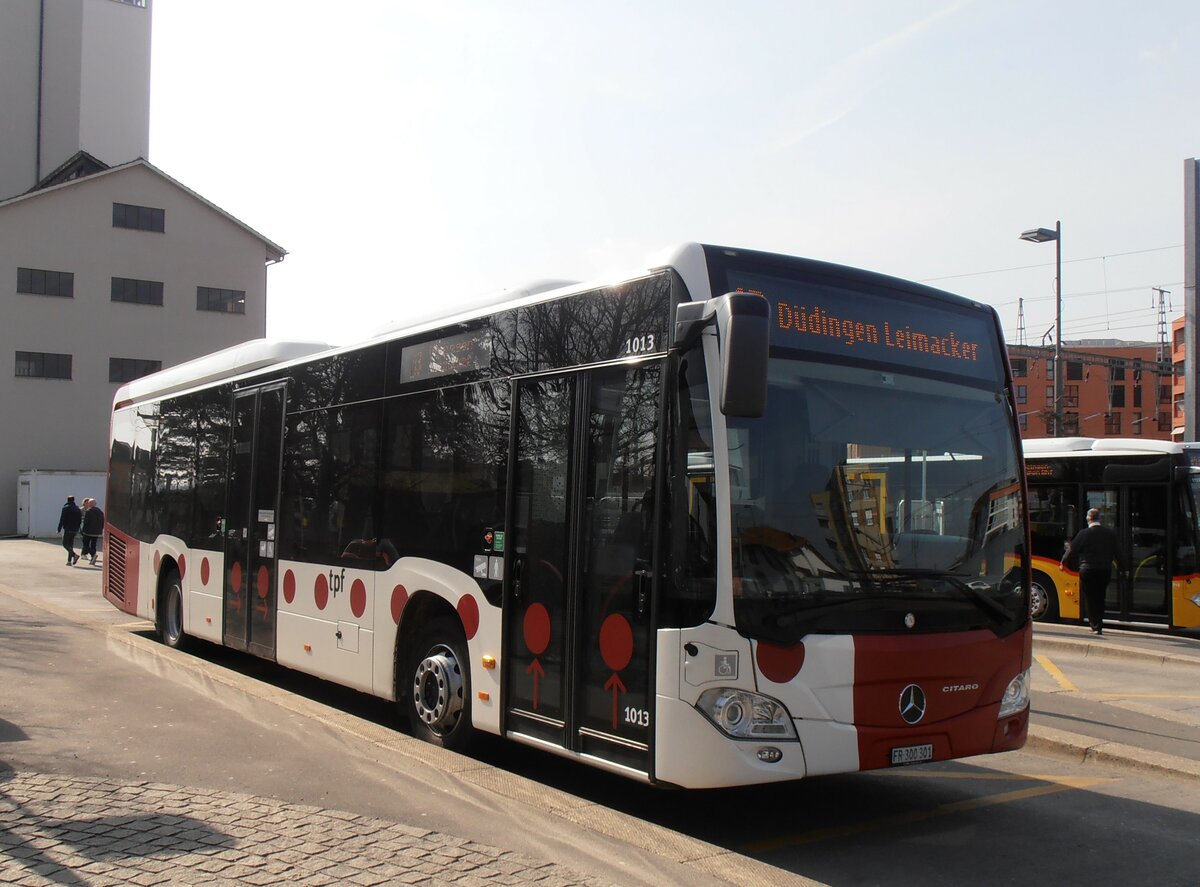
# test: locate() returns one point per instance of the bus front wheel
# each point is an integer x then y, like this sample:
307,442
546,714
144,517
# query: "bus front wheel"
170,612
1043,599
439,686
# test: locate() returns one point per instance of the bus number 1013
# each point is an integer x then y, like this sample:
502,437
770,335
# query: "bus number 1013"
640,344
639,717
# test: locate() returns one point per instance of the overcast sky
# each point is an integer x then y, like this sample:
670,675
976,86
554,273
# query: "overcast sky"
417,154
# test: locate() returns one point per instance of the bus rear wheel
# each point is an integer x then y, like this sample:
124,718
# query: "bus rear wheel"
170,612
439,687
1043,599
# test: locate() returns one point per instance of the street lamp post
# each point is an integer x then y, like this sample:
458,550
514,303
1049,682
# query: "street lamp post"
1042,235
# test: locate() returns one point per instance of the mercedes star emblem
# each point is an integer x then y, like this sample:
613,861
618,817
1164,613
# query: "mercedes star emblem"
912,704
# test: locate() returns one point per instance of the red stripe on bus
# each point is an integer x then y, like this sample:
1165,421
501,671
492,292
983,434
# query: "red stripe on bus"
961,676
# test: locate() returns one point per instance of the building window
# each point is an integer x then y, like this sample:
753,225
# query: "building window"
1137,423
1137,395
226,301
1071,424
140,292
37,282
1049,367
1116,372
1071,396
1112,423
1049,394
1164,393
1023,421
40,365
140,218
1020,367
1164,421
1075,370
126,369
1116,397
1022,393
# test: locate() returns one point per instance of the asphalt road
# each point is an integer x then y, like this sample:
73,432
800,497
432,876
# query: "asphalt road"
85,693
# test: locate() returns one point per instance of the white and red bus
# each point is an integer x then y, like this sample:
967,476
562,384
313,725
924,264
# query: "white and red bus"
739,518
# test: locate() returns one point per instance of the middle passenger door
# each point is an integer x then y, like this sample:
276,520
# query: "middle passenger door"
578,624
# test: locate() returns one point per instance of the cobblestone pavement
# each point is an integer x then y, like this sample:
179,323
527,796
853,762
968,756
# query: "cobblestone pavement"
76,830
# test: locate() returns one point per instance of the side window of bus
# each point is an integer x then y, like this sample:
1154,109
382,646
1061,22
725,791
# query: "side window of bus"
690,589
330,503
444,473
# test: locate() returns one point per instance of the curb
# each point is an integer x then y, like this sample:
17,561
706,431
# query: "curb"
1088,749
1113,651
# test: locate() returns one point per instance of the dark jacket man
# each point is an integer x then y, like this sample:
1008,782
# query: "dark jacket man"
68,524
1095,548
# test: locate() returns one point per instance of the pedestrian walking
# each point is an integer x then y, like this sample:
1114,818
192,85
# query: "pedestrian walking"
93,529
69,521
1092,552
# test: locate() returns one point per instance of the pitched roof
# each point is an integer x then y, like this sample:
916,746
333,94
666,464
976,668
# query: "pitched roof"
77,163
78,166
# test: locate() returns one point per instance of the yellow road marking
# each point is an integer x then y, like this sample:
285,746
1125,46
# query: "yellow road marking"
1056,673
1059,784
137,624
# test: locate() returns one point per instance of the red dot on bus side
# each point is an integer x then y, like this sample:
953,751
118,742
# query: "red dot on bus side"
399,599
779,664
182,566
468,612
235,577
537,629
321,591
358,598
204,571
264,581
616,642
289,586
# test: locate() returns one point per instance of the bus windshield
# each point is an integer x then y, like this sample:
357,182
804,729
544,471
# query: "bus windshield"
870,500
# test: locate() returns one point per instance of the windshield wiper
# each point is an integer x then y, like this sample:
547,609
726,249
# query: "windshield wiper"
810,606
954,580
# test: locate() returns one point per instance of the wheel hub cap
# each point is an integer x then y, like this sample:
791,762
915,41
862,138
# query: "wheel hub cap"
437,689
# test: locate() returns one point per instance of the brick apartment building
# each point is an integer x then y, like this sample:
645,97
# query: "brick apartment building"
1111,388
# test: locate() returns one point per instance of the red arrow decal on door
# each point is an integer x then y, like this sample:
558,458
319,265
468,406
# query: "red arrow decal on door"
535,668
617,687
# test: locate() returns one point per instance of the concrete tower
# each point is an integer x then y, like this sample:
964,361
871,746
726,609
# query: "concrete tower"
74,76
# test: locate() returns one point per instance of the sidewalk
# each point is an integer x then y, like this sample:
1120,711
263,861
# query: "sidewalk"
1123,685
71,830
77,812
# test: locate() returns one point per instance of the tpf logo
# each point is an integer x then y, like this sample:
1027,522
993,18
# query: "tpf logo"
337,582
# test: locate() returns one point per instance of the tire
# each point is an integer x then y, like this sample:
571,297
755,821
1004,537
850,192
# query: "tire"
1043,599
170,612
438,694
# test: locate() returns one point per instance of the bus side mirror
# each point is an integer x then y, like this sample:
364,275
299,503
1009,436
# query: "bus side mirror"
743,339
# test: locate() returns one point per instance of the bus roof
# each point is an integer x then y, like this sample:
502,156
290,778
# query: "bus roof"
689,260
221,364
1082,447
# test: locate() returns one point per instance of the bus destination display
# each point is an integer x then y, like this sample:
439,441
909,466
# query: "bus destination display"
864,325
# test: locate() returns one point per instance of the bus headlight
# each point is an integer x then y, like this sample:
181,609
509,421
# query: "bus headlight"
746,715
1016,696
1196,599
